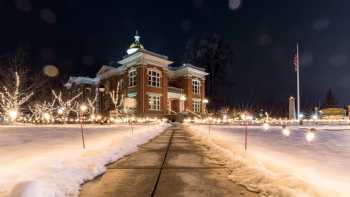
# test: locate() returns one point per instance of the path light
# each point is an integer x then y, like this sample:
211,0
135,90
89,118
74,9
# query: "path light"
266,126
285,131
310,136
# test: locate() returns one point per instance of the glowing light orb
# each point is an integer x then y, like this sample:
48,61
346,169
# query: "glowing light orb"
310,136
60,110
286,132
51,71
13,114
266,126
47,116
83,108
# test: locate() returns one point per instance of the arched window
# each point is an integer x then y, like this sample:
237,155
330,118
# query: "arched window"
154,77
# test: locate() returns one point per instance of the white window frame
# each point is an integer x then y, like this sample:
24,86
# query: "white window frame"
196,86
154,78
196,105
132,78
154,102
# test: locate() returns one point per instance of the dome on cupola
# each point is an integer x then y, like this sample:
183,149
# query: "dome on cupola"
136,45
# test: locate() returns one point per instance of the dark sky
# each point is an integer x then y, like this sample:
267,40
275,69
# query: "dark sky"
78,36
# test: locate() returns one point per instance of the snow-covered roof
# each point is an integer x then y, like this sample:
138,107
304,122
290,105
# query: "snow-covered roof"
145,57
187,70
108,71
82,80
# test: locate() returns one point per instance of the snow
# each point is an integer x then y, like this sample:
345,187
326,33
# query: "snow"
277,165
49,160
82,80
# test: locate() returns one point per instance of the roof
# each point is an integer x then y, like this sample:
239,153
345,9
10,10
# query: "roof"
147,52
187,65
82,80
108,71
187,70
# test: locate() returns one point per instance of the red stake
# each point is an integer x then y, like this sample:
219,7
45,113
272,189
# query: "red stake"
82,130
246,136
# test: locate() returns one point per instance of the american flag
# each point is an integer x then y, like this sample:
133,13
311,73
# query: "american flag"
296,61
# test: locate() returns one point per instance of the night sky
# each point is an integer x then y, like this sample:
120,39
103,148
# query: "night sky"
80,36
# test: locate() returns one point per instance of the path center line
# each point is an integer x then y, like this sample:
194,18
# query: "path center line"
163,163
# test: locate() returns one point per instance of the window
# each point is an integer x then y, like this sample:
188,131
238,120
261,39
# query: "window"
153,78
196,106
196,86
154,102
132,78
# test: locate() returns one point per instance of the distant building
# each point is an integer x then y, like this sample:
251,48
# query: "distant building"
333,113
146,79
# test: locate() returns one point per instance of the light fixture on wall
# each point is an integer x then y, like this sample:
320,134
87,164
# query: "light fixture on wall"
183,98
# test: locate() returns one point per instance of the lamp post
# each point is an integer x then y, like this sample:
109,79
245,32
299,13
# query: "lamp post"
83,108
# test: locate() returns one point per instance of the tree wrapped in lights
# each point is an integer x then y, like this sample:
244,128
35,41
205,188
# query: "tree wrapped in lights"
67,105
117,97
16,87
43,111
11,99
91,103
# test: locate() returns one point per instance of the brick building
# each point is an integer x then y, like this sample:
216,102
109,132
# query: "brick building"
149,85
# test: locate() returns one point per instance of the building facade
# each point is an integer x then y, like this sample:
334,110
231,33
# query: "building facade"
145,84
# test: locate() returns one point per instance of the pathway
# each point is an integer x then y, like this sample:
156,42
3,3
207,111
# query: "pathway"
172,164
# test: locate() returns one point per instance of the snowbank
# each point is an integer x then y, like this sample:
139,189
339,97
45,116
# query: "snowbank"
276,165
49,160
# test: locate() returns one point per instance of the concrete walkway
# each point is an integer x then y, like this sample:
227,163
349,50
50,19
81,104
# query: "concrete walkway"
172,164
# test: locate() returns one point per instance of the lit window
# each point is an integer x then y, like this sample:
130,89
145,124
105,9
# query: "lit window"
154,102
132,78
196,86
154,78
196,106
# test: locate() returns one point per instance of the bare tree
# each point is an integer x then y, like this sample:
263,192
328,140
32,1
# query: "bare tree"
217,56
67,105
117,97
91,103
16,87
43,111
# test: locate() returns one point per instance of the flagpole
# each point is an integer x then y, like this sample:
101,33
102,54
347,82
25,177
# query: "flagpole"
298,83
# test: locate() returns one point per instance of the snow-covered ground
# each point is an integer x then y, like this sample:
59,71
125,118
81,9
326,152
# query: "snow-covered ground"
48,161
278,165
